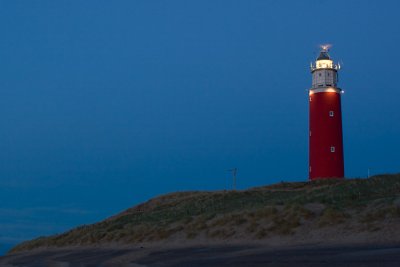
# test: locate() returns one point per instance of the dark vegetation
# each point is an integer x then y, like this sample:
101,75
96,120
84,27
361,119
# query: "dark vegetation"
257,213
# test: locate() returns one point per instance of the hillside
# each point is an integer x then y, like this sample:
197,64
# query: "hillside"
361,210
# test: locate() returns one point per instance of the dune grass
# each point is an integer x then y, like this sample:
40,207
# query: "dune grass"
277,209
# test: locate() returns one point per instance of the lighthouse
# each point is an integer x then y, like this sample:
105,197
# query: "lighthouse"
325,136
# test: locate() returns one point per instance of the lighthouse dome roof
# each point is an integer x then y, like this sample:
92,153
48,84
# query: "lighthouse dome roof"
323,55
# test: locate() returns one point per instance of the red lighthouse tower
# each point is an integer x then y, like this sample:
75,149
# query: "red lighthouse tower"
326,141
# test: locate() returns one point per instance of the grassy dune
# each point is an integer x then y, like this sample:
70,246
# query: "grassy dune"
284,209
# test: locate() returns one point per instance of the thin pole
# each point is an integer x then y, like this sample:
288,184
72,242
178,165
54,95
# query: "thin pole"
234,178
234,172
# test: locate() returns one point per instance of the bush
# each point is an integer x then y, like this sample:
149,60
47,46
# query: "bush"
331,216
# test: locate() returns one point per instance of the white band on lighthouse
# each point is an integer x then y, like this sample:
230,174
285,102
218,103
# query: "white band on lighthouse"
325,90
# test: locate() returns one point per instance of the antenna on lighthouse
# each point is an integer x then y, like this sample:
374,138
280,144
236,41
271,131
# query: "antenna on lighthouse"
234,172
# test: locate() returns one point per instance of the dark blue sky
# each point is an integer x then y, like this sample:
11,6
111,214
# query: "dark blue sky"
105,104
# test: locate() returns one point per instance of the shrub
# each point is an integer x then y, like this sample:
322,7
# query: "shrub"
252,227
261,233
331,216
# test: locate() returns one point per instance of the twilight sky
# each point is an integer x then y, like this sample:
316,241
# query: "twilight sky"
104,104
